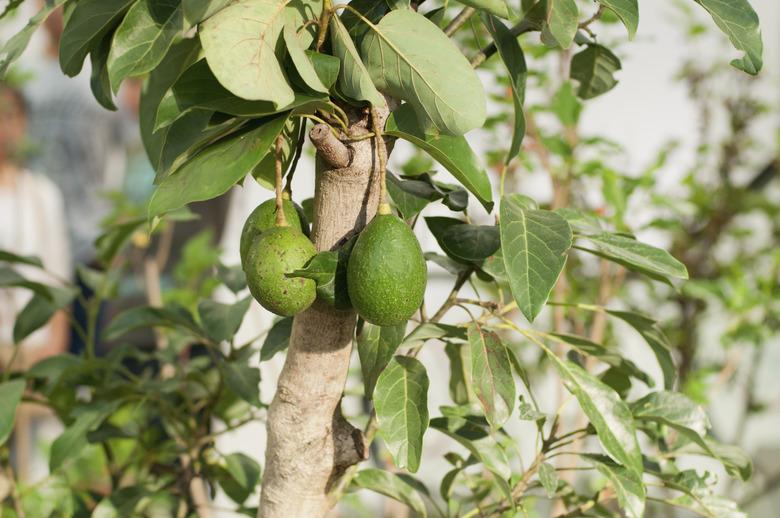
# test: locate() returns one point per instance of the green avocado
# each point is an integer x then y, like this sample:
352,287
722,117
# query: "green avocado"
271,255
264,217
386,272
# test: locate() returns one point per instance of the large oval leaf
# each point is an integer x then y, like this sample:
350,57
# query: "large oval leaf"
409,57
643,257
376,346
533,244
10,396
216,169
143,38
627,11
491,371
240,44
497,7
454,153
401,400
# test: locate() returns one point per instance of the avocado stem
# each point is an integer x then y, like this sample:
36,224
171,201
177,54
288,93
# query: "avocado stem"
281,219
380,153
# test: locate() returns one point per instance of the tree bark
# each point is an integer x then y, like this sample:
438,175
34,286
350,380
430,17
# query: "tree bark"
310,444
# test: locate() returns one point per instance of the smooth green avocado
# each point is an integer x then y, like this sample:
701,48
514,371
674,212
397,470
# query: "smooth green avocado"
264,217
271,255
386,272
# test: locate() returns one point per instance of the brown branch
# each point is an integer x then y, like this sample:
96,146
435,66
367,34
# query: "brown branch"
333,151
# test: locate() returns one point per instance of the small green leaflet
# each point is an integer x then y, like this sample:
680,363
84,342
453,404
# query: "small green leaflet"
627,11
534,244
14,47
392,485
594,70
454,153
738,20
240,42
549,479
301,60
10,396
376,346
451,103
561,24
635,253
354,80
491,371
401,401
514,60
628,485
143,38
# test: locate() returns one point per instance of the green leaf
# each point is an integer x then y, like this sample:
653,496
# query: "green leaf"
142,317
221,321
627,11
162,78
74,439
460,386
640,255
89,21
244,475
410,197
391,485
491,372
354,80
301,60
451,103
10,257
607,355
594,69
628,485
454,153
10,397
376,346
401,401
561,23
738,20
672,409
326,66
478,440
462,241
499,8
195,11
15,46
100,82
240,42
242,380
278,338
143,38
233,158
549,479
430,331
512,56
329,270
53,367
608,414
533,244
655,338
38,311
566,106
233,277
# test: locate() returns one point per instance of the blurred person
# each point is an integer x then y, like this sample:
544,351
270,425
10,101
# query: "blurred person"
81,147
32,216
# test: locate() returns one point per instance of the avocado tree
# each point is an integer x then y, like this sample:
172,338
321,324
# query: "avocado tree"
233,88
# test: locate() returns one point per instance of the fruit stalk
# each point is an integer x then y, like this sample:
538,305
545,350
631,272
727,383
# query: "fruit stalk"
281,219
376,125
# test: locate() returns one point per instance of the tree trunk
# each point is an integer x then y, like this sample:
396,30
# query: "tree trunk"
310,444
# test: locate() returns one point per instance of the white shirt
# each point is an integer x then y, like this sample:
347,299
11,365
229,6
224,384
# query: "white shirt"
32,222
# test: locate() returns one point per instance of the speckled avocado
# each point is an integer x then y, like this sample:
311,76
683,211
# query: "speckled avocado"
271,255
386,273
264,217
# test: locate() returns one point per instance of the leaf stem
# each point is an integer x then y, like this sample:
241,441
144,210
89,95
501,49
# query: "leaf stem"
327,12
379,145
457,22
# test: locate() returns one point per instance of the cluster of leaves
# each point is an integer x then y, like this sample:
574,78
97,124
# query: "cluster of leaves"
224,79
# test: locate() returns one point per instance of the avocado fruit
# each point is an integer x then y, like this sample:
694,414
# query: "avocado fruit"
264,217
272,255
386,272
